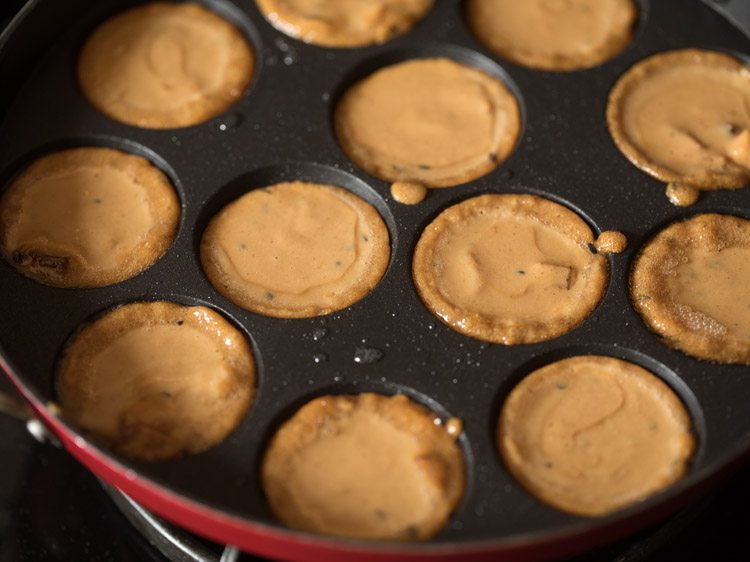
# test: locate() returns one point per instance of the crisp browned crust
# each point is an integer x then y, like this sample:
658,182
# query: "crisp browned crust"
488,327
611,242
372,262
160,427
729,176
523,451
500,101
70,271
96,64
620,35
394,18
439,461
680,326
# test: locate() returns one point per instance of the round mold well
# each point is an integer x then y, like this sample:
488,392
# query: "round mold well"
297,171
186,301
125,146
462,197
641,21
681,214
223,8
300,42
387,388
653,366
458,54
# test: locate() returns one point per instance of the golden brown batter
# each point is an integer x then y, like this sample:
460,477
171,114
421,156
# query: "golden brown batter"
682,195
690,285
611,242
592,434
553,34
429,121
157,380
87,217
366,466
408,193
344,23
164,65
296,250
509,268
682,116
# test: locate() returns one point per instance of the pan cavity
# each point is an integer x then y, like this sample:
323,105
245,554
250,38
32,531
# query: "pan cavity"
554,35
593,434
511,268
433,117
164,65
88,216
365,465
696,141
344,24
690,285
157,380
296,241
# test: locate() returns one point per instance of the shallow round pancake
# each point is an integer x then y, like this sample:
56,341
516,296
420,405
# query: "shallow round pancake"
296,249
553,34
344,23
366,466
157,380
429,121
87,217
593,434
509,268
681,116
691,285
163,65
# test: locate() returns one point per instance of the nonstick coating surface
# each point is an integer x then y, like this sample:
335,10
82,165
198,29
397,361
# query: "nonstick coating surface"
281,130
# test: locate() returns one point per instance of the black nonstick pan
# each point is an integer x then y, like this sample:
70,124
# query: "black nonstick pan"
388,342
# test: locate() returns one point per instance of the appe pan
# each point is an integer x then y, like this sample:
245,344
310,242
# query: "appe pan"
281,129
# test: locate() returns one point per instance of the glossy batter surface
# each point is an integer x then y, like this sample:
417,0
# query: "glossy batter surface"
296,249
429,121
690,285
164,65
611,242
682,116
553,34
592,434
366,466
157,380
87,217
509,268
344,23
408,193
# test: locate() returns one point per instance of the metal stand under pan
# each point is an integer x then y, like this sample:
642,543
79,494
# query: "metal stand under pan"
174,543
